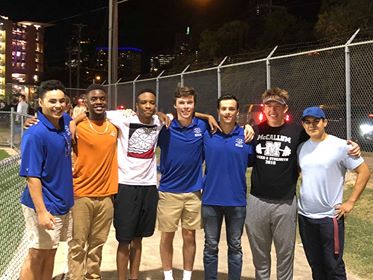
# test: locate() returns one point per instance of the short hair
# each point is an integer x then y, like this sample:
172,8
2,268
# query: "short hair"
50,85
228,97
143,91
185,91
95,87
276,93
22,96
67,99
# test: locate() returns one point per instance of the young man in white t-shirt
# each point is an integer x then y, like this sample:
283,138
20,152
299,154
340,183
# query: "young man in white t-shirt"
135,205
323,160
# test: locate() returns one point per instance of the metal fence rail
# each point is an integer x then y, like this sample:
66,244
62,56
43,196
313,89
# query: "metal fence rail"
339,78
13,243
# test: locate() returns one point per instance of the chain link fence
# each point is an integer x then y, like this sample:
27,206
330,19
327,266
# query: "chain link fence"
11,128
339,79
13,243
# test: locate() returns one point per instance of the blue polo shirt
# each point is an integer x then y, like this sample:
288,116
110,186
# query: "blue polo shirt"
182,156
227,157
46,154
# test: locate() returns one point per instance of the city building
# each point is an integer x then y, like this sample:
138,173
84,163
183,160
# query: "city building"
160,62
129,61
21,55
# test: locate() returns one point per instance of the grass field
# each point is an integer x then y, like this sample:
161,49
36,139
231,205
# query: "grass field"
3,154
358,254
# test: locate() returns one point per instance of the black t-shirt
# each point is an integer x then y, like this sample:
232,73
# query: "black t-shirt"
275,172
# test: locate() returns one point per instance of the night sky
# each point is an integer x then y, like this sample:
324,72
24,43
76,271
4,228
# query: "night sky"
147,24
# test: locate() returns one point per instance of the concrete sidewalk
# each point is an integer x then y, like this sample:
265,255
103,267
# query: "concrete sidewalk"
150,268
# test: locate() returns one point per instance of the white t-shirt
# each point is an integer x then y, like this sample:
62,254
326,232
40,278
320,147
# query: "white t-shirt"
22,107
323,165
136,148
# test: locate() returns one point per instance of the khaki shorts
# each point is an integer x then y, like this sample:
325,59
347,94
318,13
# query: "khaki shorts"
41,238
173,207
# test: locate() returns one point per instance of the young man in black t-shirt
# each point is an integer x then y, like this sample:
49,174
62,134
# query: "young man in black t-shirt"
272,209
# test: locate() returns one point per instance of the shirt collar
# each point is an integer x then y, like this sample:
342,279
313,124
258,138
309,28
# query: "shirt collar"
235,131
176,124
48,124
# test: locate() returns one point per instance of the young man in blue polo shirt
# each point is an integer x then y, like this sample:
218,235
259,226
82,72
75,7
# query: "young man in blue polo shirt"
181,182
48,196
179,189
224,193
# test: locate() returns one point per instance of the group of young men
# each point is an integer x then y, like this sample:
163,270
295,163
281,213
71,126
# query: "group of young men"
114,154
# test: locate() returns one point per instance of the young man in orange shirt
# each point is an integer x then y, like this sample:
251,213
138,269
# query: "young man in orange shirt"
95,179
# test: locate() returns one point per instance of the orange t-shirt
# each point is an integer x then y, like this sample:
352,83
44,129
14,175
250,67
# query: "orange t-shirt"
96,165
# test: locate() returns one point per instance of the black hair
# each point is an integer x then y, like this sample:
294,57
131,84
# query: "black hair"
95,87
228,97
50,85
143,91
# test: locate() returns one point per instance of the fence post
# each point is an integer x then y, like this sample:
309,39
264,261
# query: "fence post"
268,67
219,75
182,75
348,84
116,94
11,140
157,86
134,92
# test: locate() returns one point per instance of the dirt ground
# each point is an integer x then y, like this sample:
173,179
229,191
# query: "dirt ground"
151,263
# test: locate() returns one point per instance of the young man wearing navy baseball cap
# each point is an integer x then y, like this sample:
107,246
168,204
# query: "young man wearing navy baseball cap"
324,160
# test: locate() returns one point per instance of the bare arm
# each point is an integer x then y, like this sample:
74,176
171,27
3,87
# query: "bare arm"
249,133
363,175
45,218
212,122
30,122
79,118
164,118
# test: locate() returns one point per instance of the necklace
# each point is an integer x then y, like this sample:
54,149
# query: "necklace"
98,132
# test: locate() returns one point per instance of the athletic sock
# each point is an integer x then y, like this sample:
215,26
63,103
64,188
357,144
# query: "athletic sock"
187,275
168,275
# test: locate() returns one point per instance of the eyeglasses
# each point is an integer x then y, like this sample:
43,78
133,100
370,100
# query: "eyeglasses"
313,122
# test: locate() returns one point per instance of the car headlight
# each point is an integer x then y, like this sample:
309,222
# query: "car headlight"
366,128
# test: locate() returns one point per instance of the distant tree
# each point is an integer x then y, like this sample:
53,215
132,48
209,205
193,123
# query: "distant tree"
280,27
229,39
338,17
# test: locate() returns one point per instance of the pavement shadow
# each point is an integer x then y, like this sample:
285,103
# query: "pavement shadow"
155,274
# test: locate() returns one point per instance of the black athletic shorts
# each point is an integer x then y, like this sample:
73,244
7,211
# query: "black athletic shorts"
135,211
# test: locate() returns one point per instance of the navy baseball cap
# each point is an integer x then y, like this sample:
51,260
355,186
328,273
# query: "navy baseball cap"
315,112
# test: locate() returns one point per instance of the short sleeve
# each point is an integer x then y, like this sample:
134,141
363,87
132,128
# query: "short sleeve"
351,162
32,158
117,118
